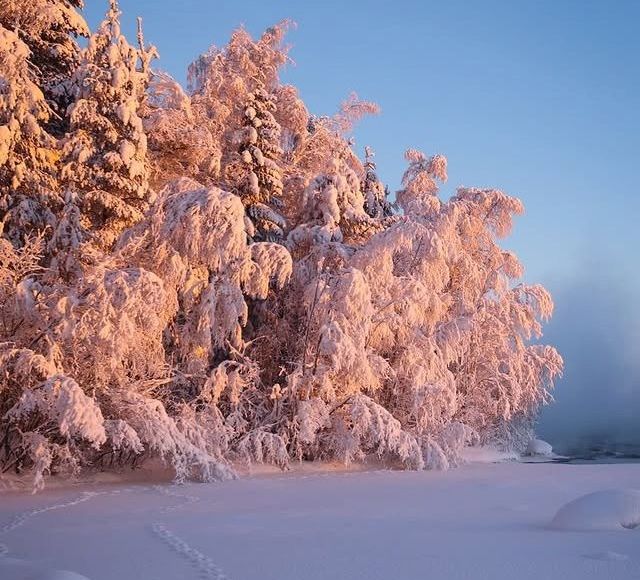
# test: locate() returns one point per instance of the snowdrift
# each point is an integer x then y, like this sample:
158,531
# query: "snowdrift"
611,509
540,448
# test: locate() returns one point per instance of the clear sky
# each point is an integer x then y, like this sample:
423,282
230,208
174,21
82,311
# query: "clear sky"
539,98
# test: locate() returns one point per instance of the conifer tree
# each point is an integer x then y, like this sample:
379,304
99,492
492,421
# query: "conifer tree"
105,154
27,159
262,185
375,193
65,246
50,29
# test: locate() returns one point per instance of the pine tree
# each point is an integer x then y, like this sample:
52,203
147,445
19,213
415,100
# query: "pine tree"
49,28
375,193
261,150
105,154
65,246
27,158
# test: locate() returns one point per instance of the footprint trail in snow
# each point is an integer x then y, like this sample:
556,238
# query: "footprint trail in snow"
207,568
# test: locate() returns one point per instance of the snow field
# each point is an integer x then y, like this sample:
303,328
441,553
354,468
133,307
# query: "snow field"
478,521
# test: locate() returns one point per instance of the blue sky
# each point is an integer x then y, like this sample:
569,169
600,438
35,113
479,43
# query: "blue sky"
540,98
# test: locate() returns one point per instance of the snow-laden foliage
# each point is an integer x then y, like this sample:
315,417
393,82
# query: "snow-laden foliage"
180,142
243,289
49,28
375,193
262,179
105,154
27,156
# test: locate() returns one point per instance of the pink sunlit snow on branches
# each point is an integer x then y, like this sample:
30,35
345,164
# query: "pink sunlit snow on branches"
213,275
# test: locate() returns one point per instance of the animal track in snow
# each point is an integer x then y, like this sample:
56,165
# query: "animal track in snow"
23,517
207,568
20,519
168,491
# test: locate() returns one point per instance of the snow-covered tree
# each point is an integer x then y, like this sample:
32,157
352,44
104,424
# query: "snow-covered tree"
142,353
335,208
499,373
173,326
221,82
27,155
105,154
375,193
222,78
66,245
49,28
235,93
181,142
261,185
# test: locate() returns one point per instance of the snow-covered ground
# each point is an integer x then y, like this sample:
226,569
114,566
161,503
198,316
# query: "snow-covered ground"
476,522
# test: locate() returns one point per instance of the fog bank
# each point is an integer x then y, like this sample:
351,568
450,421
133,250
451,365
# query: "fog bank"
596,328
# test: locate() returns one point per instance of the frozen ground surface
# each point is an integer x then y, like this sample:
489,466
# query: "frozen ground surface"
477,522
